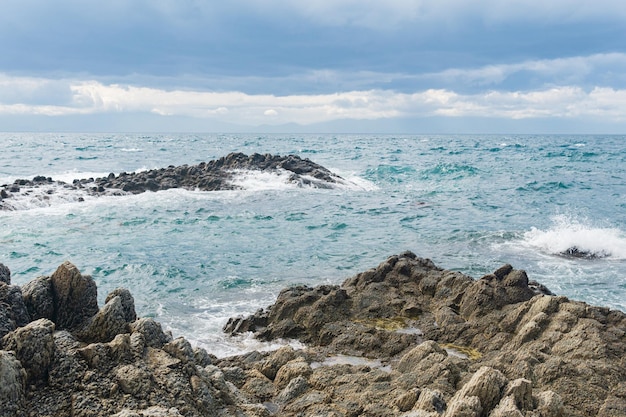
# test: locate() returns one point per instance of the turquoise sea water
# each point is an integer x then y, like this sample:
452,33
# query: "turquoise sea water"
192,259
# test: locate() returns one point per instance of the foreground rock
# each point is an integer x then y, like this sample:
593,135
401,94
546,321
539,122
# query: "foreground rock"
405,338
497,346
210,176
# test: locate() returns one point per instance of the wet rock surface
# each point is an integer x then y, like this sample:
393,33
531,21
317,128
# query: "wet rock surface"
405,338
207,176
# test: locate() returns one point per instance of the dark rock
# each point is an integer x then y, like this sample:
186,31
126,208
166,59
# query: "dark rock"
12,386
39,298
107,323
75,297
5,274
152,332
13,312
34,347
206,176
575,252
128,303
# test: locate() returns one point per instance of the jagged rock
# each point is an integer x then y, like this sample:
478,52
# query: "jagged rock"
110,321
258,386
39,298
290,370
12,385
206,176
5,274
407,401
430,401
181,349
464,407
33,346
296,387
280,357
66,368
486,385
550,404
152,332
13,312
500,321
404,337
75,295
133,380
202,357
128,303
506,408
520,391
412,359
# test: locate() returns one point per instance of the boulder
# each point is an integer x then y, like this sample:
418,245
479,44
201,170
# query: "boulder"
128,303
34,347
110,321
153,335
12,386
486,386
5,274
39,298
13,312
75,295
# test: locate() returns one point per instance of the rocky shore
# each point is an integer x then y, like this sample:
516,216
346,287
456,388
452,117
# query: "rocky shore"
406,338
207,176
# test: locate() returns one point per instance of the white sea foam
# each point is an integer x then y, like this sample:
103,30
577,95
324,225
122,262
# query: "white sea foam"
44,195
256,180
351,360
240,344
262,180
70,176
568,232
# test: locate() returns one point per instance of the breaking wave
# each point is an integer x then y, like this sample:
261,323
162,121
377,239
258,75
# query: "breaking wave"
571,237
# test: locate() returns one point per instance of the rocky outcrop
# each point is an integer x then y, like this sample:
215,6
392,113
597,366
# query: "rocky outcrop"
76,359
206,176
403,339
496,346
13,312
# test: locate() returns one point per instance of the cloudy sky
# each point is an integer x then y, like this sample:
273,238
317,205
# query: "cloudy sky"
515,66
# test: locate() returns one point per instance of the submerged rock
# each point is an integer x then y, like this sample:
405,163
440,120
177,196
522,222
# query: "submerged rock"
575,252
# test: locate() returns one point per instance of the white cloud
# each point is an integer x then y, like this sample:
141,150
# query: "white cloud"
566,70
90,97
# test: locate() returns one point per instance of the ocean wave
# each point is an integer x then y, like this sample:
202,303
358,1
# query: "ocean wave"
453,170
569,236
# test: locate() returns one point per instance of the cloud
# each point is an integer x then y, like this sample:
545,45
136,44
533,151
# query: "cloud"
389,14
93,97
606,68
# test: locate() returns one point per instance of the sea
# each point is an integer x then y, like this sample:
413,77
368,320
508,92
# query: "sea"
192,259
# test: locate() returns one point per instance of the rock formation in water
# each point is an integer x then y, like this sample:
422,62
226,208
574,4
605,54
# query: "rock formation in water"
405,338
206,176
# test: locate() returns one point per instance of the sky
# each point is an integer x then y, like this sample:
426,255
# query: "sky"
393,66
